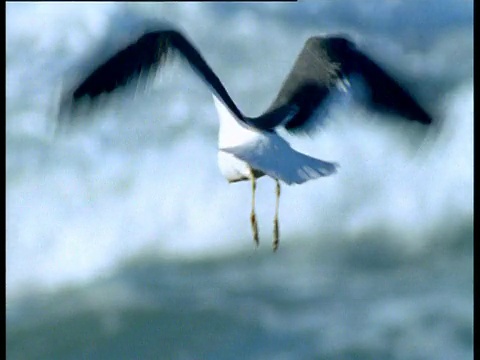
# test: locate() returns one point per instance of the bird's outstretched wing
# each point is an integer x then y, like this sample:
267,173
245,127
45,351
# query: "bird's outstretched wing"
136,62
323,67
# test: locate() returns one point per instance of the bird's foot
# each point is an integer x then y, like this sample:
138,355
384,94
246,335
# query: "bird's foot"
253,221
276,235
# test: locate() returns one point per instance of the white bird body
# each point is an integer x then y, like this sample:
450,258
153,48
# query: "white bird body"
232,132
243,151
232,168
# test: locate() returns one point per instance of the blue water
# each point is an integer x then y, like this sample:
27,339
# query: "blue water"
125,242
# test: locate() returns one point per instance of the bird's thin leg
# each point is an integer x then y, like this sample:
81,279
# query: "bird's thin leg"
253,218
276,231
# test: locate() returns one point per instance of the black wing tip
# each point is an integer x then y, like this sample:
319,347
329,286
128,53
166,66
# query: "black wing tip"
420,117
425,119
116,71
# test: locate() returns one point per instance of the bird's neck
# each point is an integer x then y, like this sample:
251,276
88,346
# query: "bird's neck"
232,132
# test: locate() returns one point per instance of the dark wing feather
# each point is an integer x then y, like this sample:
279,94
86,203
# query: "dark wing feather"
127,64
385,93
322,63
135,62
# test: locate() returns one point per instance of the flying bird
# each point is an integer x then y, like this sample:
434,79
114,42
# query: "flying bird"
250,147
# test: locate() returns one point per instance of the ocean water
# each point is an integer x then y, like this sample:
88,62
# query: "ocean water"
123,240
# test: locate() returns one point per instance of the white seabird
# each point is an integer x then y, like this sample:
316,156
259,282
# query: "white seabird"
249,148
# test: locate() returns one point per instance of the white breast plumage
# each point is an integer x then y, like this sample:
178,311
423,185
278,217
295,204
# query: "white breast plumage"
232,133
